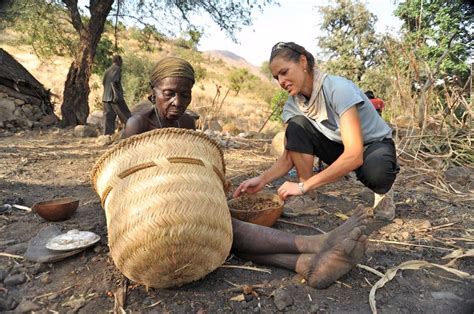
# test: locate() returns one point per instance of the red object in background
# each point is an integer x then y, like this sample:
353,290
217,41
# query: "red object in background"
378,103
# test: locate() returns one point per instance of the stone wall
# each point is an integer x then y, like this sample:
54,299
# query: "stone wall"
17,115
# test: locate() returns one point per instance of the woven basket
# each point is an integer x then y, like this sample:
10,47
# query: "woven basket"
167,217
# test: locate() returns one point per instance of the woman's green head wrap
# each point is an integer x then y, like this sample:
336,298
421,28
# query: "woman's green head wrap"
171,67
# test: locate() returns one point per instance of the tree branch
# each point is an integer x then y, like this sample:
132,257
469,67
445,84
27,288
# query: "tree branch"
71,6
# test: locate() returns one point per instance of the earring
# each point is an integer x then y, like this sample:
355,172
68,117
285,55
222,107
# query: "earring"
152,98
304,70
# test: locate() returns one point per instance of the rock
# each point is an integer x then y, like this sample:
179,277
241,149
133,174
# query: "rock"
14,280
213,125
28,123
26,306
18,102
7,303
19,248
7,107
282,298
3,274
96,118
278,144
103,140
85,131
231,128
49,120
460,175
38,268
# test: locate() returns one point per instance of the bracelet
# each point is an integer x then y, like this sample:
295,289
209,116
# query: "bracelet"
301,185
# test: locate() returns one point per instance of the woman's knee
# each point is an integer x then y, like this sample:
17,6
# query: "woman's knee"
379,170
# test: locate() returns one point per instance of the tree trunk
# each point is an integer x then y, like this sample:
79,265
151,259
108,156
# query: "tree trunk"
75,106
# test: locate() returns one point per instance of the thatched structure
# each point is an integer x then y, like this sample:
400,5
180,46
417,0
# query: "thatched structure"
24,102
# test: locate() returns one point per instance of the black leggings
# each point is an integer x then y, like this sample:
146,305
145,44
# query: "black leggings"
379,170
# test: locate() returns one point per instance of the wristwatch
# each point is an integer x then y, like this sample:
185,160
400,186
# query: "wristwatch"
301,185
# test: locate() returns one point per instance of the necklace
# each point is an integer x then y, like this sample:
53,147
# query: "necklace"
159,119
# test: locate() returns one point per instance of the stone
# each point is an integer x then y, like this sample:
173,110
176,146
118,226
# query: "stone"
19,248
7,303
278,144
460,175
85,131
7,108
38,268
282,298
3,274
26,306
18,102
48,120
231,128
103,140
14,280
96,118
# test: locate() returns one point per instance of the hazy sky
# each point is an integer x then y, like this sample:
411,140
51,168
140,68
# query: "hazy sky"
293,20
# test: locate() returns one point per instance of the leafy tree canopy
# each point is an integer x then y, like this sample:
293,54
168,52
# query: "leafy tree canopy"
350,40
430,25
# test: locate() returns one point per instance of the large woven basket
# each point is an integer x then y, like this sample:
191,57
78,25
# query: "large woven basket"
167,217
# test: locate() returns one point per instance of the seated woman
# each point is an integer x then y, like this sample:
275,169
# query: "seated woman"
321,259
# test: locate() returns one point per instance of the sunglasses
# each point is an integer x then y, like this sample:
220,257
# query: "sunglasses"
282,45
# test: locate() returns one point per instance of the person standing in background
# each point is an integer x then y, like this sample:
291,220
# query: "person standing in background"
113,97
376,102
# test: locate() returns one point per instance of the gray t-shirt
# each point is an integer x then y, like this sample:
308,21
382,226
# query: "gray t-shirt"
341,94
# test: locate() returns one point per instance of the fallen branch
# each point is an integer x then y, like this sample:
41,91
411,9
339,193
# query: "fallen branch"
263,270
11,255
300,225
410,244
51,293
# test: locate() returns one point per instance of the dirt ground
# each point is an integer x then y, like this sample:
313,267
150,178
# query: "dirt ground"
43,164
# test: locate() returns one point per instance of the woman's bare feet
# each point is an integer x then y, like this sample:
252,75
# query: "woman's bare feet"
321,243
343,248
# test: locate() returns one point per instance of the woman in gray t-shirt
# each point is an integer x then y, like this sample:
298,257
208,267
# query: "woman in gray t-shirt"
331,118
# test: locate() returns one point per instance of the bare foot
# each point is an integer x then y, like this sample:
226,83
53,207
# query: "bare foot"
321,243
321,270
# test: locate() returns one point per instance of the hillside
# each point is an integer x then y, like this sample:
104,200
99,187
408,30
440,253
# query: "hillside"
234,60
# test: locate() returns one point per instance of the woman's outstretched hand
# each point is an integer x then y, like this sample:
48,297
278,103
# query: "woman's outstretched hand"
250,186
289,189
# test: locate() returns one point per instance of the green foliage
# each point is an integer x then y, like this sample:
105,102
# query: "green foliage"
45,26
350,40
103,56
429,27
200,72
277,103
241,78
136,77
265,69
148,37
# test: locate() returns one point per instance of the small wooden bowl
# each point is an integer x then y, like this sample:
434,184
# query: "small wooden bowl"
261,208
57,209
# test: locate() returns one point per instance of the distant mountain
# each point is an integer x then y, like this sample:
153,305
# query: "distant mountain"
237,61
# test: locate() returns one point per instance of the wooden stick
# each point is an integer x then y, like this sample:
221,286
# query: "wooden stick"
54,292
11,255
370,269
301,225
411,244
263,270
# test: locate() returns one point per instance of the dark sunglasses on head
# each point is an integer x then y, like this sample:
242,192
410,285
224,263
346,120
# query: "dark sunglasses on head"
282,45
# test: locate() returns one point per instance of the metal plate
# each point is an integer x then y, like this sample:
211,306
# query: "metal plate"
72,240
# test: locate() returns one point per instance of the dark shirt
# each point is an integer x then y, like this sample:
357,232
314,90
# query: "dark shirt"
112,82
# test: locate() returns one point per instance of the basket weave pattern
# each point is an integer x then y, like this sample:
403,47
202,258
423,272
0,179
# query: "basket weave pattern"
167,217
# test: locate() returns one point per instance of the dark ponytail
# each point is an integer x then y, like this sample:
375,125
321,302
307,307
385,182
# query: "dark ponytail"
292,52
